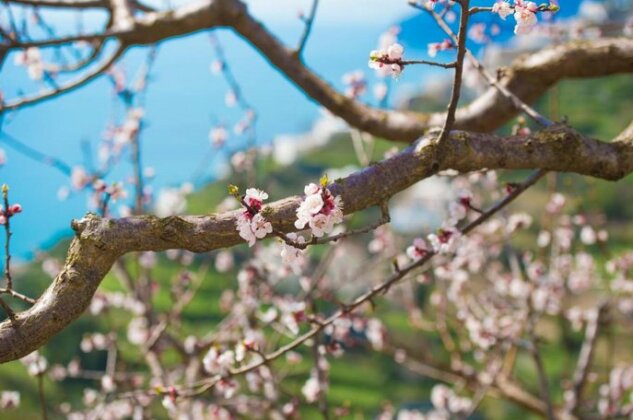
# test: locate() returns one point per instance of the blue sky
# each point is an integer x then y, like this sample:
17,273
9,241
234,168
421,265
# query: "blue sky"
184,100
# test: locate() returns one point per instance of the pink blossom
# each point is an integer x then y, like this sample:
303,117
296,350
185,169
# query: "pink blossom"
320,210
311,389
518,221
31,58
14,209
383,240
356,84
216,362
250,224
79,178
292,313
293,257
418,250
36,364
445,240
169,403
588,235
218,135
252,227
230,99
10,212
224,261
458,210
254,198
395,51
217,66
525,16
434,47
387,61
375,332
116,191
9,399
502,8
477,33
227,388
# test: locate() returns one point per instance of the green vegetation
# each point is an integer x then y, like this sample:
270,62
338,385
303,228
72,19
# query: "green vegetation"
362,380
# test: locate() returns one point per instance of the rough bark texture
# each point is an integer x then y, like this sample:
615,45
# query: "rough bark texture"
99,242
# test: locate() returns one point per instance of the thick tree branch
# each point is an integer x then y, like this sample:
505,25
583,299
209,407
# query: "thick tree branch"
99,242
528,78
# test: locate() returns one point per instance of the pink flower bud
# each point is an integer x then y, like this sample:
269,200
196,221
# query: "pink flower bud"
14,209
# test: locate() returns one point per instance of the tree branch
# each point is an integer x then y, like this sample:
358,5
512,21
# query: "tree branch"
72,85
528,78
99,242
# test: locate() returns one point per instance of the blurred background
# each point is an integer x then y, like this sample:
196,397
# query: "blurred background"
187,168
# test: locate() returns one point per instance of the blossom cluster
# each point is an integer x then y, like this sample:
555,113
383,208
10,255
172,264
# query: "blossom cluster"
429,4
434,47
9,212
251,224
31,58
218,135
355,83
524,13
444,241
446,405
320,210
9,399
293,257
387,61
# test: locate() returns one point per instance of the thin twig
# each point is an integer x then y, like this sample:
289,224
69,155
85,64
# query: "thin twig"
308,28
40,386
516,102
321,375
542,376
586,354
7,243
451,65
541,8
30,152
462,35
7,309
381,288
384,219
474,10
17,295
71,85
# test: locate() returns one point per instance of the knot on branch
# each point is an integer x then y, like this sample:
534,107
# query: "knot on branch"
174,228
92,229
80,225
560,137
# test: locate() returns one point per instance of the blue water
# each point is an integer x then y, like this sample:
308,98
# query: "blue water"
183,101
